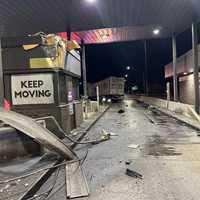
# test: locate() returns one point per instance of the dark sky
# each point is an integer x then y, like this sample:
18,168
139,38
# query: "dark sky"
104,60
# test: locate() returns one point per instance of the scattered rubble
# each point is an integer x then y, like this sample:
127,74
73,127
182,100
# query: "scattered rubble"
105,135
5,188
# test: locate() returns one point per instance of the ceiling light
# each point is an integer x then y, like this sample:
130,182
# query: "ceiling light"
90,1
128,67
156,31
185,73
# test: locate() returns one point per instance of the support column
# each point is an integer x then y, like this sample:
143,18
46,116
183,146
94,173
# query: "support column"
175,80
1,79
68,35
195,65
146,81
98,100
84,70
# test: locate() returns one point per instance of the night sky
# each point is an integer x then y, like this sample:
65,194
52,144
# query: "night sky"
104,60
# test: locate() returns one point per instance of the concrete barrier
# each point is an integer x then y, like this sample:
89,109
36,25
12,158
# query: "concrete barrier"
177,107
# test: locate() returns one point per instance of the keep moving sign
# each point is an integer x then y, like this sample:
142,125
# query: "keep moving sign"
32,89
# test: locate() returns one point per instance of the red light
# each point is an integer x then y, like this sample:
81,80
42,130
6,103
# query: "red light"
6,105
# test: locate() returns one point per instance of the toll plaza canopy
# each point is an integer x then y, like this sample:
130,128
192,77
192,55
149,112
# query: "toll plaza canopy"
123,19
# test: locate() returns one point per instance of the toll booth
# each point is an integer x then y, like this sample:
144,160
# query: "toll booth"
41,79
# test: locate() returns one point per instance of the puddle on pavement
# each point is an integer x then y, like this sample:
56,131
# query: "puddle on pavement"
157,146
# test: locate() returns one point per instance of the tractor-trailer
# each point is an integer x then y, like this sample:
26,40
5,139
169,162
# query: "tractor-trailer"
110,88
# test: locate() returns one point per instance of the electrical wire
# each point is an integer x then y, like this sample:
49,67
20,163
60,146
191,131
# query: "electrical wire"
93,142
48,191
38,171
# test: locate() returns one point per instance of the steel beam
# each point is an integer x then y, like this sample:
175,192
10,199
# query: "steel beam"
1,79
175,79
84,72
195,65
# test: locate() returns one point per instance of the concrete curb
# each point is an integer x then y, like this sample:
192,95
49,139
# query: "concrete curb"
91,125
183,119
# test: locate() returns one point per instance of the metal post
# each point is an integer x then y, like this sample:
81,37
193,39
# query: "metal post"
1,79
195,65
97,90
146,69
168,94
68,35
84,71
175,80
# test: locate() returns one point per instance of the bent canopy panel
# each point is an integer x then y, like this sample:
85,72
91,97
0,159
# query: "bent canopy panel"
42,135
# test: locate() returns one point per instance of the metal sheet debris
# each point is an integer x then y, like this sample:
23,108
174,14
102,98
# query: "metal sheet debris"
133,174
76,183
133,146
42,135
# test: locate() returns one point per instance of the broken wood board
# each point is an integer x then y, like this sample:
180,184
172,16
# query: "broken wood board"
40,134
76,183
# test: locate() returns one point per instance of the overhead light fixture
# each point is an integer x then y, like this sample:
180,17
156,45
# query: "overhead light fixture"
156,31
128,67
90,1
185,73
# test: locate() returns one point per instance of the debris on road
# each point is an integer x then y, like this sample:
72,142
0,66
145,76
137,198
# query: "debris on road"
128,162
26,184
121,111
105,135
133,146
133,174
113,134
108,134
76,183
5,188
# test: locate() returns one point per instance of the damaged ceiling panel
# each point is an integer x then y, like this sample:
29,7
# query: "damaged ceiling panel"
109,35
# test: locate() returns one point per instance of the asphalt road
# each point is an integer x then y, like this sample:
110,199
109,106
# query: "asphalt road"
167,157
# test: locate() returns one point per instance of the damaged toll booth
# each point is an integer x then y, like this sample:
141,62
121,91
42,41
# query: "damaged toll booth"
41,77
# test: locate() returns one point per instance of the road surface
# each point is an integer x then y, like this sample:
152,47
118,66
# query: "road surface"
167,157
